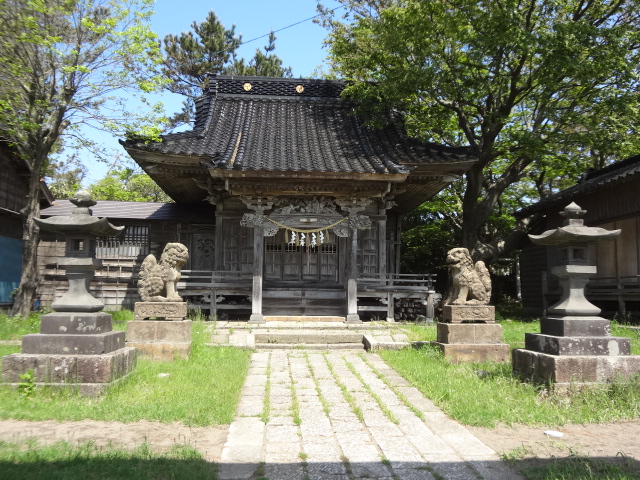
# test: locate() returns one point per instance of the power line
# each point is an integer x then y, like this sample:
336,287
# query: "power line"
281,29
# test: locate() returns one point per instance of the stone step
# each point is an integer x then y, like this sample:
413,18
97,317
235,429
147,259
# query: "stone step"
308,337
303,318
310,346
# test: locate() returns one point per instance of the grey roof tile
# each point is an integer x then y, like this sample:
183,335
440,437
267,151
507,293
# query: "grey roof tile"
136,210
274,127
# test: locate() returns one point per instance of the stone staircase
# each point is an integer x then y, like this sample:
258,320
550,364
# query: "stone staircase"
309,333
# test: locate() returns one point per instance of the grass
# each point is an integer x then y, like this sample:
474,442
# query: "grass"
383,408
12,328
345,391
497,397
575,466
64,461
201,391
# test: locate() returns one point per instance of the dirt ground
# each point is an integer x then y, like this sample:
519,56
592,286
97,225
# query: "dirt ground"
161,436
612,441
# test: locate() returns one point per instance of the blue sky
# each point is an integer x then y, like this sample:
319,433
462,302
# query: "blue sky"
300,47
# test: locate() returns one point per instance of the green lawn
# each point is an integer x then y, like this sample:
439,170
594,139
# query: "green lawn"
201,391
486,394
64,461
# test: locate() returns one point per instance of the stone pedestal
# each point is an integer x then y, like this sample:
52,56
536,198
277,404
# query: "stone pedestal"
472,335
574,350
160,340
76,350
160,310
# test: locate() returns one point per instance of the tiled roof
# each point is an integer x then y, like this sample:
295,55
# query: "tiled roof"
592,181
136,210
292,125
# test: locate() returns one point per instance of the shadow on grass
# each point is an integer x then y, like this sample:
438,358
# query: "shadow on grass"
579,468
105,468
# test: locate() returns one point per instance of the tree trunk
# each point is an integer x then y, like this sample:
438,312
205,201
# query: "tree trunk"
25,296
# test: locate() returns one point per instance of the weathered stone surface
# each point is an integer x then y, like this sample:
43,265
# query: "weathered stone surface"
562,371
308,338
458,353
469,333
553,345
575,326
87,344
168,310
75,323
158,331
69,369
162,351
469,313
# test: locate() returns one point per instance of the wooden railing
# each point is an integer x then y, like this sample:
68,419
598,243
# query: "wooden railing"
382,287
387,287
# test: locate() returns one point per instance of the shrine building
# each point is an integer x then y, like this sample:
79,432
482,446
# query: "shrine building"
307,198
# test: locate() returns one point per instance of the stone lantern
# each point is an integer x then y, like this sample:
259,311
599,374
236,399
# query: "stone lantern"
575,344
76,345
80,230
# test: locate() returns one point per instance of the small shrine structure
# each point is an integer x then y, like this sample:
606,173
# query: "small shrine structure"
308,199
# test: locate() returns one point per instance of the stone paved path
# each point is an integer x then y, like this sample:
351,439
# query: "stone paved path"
344,416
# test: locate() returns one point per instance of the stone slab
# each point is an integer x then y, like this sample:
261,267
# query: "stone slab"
159,331
162,351
372,344
575,326
166,310
469,313
86,344
553,345
469,333
308,337
562,371
69,370
460,353
75,323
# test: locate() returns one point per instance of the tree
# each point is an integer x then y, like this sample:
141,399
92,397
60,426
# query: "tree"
64,61
211,48
538,89
128,185
64,177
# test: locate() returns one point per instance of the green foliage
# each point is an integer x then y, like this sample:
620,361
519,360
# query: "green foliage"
66,461
67,64
211,48
65,176
538,91
126,184
27,384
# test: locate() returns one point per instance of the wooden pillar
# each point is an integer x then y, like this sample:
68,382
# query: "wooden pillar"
382,247
352,279
256,291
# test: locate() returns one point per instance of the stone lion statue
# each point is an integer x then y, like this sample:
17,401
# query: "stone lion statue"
158,280
471,283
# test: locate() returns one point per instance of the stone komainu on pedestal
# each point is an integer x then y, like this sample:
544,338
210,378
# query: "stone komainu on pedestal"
158,280
469,332
160,330
471,284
